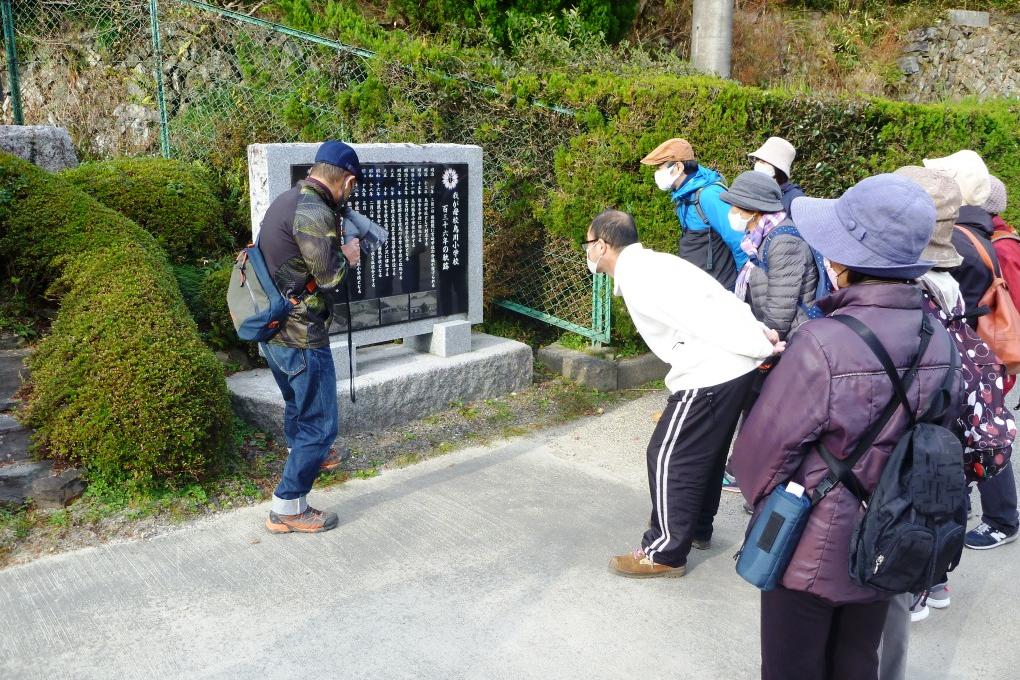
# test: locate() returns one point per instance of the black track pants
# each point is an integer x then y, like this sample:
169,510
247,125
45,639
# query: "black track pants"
686,458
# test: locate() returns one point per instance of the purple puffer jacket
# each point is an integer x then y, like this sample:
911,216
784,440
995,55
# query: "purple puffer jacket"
830,387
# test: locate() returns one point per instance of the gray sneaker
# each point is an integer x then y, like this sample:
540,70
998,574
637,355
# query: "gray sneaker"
938,596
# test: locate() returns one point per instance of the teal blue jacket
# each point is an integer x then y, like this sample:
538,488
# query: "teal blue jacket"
715,210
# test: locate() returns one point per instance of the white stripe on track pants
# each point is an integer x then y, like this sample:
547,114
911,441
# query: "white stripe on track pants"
686,458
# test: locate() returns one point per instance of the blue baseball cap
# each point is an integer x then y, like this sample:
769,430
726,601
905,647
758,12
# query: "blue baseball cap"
341,155
880,226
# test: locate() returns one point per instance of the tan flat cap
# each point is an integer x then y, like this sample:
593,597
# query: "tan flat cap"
672,150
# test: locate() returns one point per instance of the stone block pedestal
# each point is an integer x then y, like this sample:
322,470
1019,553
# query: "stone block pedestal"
396,384
447,339
599,372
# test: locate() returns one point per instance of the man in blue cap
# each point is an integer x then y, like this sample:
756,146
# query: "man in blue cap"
301,241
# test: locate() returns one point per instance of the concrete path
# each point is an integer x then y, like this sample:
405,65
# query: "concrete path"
489,563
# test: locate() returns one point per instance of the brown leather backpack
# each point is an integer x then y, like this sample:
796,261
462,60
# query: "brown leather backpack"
1000,328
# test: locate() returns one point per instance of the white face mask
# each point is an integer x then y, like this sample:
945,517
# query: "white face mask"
664,178
593,266
764,168
737,222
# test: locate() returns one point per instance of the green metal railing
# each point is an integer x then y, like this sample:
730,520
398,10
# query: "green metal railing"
240,101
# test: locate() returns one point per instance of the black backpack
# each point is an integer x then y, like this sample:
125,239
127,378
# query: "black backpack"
706,249
912,531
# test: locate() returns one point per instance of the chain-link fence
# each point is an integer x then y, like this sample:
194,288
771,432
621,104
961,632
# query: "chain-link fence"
196,81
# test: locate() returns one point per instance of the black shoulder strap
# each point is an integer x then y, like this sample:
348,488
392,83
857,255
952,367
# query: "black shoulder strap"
841,471
350,327
878,349
698,209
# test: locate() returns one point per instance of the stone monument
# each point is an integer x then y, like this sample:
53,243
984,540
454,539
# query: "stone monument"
424,286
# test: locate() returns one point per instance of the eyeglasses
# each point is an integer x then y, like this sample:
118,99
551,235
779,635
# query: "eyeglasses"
585,244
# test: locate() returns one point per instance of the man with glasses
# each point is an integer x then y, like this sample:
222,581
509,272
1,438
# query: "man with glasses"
714,346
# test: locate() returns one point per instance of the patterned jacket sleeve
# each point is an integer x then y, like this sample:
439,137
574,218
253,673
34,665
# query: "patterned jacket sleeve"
316,236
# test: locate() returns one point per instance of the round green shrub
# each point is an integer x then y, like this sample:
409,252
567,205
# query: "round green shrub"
213,292
123,385
176,202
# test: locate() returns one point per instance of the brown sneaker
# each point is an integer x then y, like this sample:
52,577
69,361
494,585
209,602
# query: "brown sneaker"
311,521
334,460
637,565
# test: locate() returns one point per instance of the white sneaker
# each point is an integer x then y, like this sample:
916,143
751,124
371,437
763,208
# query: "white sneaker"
919,613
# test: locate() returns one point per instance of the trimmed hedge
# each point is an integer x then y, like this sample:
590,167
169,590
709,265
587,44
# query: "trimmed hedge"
176,202
123,385
622,117
838,143
221,334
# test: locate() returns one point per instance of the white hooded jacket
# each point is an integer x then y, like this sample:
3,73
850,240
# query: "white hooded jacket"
688,319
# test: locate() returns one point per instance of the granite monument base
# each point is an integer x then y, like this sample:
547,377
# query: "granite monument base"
396,384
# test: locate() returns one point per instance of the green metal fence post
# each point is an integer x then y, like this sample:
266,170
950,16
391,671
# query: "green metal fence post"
600,309
157,54
607,310
12,62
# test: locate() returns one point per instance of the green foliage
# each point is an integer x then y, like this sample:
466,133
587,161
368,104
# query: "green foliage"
550,173
190,279
204,290
16,313
504,19
176,202
507,324
220,333
123,385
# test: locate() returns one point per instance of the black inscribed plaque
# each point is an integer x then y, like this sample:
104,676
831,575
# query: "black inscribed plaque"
422,271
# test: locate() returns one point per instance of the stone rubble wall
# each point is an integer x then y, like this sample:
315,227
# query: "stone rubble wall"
968,54
106,98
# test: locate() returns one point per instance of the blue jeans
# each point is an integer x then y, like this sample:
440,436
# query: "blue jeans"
307,380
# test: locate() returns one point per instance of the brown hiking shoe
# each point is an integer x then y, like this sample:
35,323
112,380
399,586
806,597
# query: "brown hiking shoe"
311,521
332,461
637,565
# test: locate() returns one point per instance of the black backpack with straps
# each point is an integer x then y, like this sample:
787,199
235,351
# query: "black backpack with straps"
706,249
912,531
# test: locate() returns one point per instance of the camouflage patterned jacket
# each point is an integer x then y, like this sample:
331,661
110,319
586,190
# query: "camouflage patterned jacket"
300,239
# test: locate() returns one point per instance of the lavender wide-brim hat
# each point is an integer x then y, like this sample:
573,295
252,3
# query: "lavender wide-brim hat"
879,227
